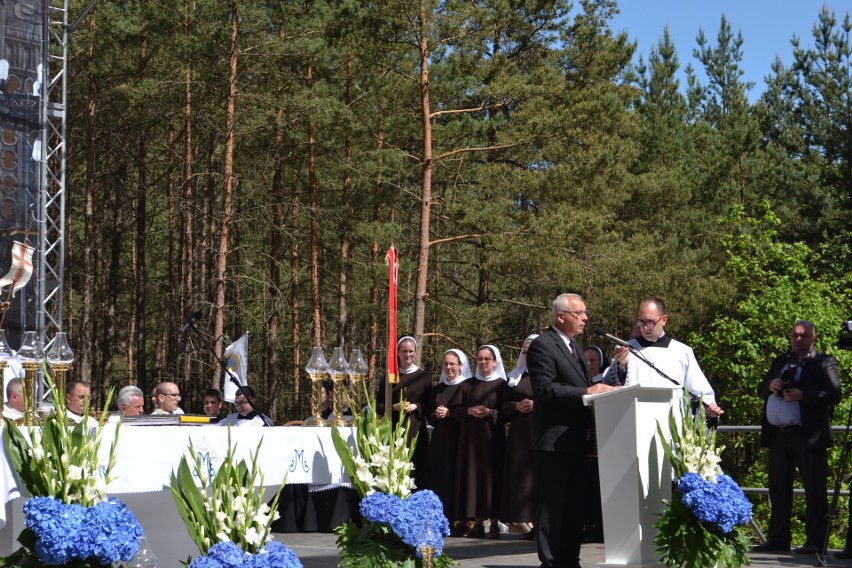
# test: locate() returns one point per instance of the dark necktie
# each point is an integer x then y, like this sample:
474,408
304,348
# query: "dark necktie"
575,349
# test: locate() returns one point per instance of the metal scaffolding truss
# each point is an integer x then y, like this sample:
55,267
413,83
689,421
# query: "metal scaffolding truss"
51,201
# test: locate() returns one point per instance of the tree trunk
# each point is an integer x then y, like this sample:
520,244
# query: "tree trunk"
227,193
342,314
187,194
316,320
84,356
294,298
374,252
426,190
141,273
169,303
273,323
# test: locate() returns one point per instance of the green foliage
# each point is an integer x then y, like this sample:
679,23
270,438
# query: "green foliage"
775,285
692,545
375,544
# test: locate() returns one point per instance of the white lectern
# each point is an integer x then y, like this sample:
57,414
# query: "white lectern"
635,474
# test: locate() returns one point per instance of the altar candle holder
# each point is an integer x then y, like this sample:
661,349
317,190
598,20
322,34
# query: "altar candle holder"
30,355
61,357
426,539
338,369
358,370
317,369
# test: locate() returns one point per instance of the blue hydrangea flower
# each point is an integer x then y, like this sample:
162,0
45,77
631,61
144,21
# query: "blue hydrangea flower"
107,532
205,562
722,504
380,507
229,555
273,555
421,507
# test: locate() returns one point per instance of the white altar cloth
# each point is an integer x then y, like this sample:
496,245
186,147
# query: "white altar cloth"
146,456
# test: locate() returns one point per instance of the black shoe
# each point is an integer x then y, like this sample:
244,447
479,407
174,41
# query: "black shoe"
844,554
770,547
808,549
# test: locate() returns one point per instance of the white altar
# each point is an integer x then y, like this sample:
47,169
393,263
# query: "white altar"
146,456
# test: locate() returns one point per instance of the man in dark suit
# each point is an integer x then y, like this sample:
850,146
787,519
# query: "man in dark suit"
800,391
561,426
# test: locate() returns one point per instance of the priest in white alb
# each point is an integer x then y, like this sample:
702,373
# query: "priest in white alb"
668,355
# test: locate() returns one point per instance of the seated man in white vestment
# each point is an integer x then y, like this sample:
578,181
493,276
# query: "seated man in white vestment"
131,401
14,408
245,414
167,397
78,396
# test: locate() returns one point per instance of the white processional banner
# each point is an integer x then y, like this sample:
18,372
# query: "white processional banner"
236,359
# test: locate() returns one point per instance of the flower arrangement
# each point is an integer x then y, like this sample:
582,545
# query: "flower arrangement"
58,459
69,521
398,524
229,555
383,458
225,517
699,525
63,533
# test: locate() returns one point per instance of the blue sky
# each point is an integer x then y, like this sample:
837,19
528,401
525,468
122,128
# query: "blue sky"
767,27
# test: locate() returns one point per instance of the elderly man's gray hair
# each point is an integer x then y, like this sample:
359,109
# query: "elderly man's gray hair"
125,395
560,304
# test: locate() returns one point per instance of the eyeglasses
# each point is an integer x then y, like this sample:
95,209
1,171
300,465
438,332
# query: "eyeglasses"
242,402
483,359
577,314
648,323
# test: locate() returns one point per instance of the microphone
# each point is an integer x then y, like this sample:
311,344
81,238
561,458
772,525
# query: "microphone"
191,321
618,341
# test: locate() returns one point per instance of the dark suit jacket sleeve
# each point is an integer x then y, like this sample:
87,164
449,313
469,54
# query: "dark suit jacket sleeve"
825,391
549,387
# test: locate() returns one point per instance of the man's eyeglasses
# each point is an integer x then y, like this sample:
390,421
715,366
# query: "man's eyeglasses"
648,323
242,402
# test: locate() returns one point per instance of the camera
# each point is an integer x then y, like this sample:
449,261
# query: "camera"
788,377
845,339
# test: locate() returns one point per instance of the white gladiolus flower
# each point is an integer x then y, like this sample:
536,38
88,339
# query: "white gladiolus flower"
252,536
75,473
223,537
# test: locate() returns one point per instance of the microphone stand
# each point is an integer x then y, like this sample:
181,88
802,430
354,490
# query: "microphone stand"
231,376
638,354
711,422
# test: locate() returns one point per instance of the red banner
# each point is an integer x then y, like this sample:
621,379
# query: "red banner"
392,261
